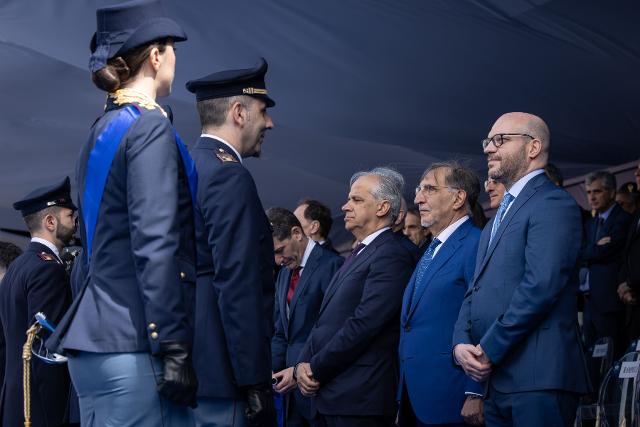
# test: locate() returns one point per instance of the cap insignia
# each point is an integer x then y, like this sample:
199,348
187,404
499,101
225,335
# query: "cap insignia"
254,91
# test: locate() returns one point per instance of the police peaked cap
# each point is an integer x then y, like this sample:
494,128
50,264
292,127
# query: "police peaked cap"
224,84
125,26
53,195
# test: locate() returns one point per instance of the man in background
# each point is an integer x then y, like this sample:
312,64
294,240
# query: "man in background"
315,218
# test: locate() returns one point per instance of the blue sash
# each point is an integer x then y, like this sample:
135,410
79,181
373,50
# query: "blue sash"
99,165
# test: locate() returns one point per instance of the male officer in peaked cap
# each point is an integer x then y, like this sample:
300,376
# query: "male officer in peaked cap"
37,281
235,289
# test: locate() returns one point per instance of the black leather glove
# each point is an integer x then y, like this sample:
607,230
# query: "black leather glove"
260,410
179,382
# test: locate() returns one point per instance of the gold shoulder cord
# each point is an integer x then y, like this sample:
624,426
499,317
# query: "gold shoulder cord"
26,371
128,96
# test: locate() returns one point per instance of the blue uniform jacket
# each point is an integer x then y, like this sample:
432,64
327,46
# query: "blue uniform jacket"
434,386
521,305
235,289
141,279
353,346
293,324
35,281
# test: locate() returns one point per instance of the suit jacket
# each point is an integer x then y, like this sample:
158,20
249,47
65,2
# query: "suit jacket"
35,281
630,271
294,321
327,244
235,290
521,304
411,247
604,261
140,282
352,348
434,386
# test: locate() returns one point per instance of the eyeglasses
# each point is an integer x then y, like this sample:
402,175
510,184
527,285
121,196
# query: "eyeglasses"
500,138
430,190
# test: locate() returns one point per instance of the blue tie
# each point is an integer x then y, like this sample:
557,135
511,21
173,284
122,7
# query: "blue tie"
422,268
504,204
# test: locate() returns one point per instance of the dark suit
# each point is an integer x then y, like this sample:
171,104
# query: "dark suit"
294,321
327,244
352,348
521,309
35,281
630,273
434,387
415,251
235,289
603,309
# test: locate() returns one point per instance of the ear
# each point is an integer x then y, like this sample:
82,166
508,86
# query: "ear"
238,113
535,148
296,233
49,222
460,200
315,226
155,59
383,208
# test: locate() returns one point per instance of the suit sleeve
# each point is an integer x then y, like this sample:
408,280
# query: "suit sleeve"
236,229
593,253
279,341
152,199
380,304
553,240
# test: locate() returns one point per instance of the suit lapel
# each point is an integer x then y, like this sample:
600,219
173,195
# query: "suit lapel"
527,192
309,268
282,300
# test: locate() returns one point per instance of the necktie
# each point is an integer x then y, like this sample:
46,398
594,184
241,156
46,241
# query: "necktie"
423,265
504,204
293,282
599,227
351,257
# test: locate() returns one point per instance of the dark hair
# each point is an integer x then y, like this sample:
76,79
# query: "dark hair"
554,174
317,211
34,220
459,176
121,69
282,221
413,209
213,112
8,252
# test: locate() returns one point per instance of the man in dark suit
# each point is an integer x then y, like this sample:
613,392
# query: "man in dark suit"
517,327
432,391
349,362
606,235
37,282
413,229
235,290
315,218
307,269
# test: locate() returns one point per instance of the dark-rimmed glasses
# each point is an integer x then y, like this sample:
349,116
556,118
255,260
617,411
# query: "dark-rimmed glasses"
499,138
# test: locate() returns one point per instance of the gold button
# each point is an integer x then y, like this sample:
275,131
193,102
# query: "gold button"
154,335
152,326
183,275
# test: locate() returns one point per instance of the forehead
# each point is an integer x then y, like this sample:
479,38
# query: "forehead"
434,176
412,218
364,185
596,183
508,124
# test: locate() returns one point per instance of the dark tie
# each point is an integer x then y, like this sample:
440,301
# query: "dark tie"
504,204
599,227
423,265
293,282
351,258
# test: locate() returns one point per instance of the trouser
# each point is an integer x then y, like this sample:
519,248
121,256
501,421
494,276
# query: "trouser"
548,408
120,390
407,416
220,412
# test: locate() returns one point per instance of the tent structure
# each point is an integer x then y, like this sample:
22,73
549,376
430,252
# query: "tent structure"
357,83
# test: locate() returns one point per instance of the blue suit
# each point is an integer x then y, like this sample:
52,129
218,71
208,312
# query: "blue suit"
352,348
235,289
434,386
294,321
521,305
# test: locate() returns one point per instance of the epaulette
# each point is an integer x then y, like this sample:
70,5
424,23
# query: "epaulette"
225,157
46,257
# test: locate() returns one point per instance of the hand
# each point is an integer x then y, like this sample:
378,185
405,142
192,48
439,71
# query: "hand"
179,382
260,410
605,240
473,411
285,382
307,385
473,360
623,288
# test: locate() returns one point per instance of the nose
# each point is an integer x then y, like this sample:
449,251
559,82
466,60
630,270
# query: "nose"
270,123
278,259
419,198
490,148
345,207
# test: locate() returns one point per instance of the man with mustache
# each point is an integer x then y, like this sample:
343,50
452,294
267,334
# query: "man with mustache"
517,328
37,281
234,288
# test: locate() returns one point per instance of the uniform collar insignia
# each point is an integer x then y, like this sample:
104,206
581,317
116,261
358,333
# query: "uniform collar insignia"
224,156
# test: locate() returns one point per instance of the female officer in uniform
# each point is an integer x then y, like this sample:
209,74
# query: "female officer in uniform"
128,333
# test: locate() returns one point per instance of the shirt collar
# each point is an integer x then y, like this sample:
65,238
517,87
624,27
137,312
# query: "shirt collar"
447,232
48,244
371,237
307,251
208,135
604,215
519,184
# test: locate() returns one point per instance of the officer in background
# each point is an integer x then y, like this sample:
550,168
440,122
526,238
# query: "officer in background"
37,281
235,289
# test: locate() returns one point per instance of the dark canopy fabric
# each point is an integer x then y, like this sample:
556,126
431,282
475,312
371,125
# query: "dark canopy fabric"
357,83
